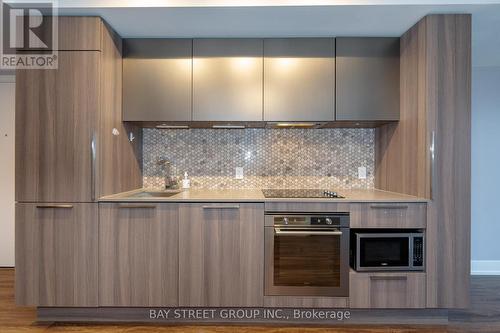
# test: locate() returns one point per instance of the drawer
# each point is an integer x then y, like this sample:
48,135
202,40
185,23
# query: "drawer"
387,290
305,302
307,207
388,215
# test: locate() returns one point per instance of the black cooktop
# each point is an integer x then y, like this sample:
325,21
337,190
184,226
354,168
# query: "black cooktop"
300,193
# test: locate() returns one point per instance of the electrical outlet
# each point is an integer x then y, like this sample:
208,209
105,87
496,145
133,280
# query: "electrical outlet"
362,173
238,173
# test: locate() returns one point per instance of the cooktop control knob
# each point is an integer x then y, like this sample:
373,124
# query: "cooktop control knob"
328,220
285,220
330,194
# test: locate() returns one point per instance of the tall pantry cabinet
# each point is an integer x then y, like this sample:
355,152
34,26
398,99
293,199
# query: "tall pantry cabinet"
71,148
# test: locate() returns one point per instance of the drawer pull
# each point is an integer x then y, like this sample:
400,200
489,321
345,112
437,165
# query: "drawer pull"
54,206
388,277
221,207
389,206
138,206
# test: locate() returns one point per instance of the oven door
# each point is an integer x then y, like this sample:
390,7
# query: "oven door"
306,261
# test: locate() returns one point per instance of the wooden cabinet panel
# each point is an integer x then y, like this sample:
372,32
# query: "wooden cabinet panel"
428,153
119,160
299,79
388,215
367,79
56,254
157,80
320,207
55,119
227,79
306,302
387,290
221,254
138,261
76,33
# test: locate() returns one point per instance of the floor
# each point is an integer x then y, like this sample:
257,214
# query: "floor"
484,317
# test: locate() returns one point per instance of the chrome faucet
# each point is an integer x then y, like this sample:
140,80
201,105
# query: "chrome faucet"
171,182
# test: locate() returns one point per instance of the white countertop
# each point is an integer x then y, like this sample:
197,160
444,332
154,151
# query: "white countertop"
255,195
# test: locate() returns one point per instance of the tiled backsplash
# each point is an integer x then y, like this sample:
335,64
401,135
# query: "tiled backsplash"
271,158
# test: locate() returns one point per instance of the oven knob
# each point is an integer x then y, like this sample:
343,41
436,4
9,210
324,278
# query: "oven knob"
285,220
329,220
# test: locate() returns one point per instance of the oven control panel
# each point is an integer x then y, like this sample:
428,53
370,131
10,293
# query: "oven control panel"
323,220
337,220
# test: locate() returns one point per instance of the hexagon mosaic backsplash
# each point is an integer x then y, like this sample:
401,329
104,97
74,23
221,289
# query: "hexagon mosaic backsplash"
271,158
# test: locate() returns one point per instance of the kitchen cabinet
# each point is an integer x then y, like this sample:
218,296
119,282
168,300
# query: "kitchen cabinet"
71,144
428,153
138,254
227,79
367,79
221,254
388,215
55,116
74,33
157,77
299,79
387,290
56,254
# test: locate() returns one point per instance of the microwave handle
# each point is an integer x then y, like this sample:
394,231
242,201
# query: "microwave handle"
280,232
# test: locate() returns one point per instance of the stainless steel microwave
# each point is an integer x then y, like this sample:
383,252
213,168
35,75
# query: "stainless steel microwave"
388,251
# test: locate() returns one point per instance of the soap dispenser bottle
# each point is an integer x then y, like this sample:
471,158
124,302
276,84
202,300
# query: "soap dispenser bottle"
186,182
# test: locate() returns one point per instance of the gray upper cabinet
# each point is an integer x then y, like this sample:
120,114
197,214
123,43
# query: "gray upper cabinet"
157,81
299,79
227,79
367,81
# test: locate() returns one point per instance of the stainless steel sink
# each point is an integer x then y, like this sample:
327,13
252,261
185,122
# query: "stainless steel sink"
155,194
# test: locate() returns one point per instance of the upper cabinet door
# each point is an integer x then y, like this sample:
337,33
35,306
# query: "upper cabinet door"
367,79
55,123
299,79
227,79
157,79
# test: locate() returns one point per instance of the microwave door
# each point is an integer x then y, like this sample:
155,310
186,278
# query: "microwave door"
383,252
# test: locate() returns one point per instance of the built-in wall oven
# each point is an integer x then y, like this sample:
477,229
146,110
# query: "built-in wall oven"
307,254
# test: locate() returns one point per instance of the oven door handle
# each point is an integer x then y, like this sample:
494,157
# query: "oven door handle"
281,232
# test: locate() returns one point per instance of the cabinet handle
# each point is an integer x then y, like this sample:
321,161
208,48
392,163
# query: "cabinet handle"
221,207
389,206
54,206
388,277
92,167
432,150
137,206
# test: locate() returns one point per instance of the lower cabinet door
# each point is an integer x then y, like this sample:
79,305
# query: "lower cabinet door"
221,254
387,290
56,254
138,254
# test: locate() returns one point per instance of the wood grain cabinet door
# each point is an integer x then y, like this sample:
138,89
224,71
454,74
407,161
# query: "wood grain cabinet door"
56,254
299,79
387,290
55,119
388,215
138,246
221,254
227,79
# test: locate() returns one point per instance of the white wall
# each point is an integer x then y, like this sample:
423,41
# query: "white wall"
7,97
485,170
